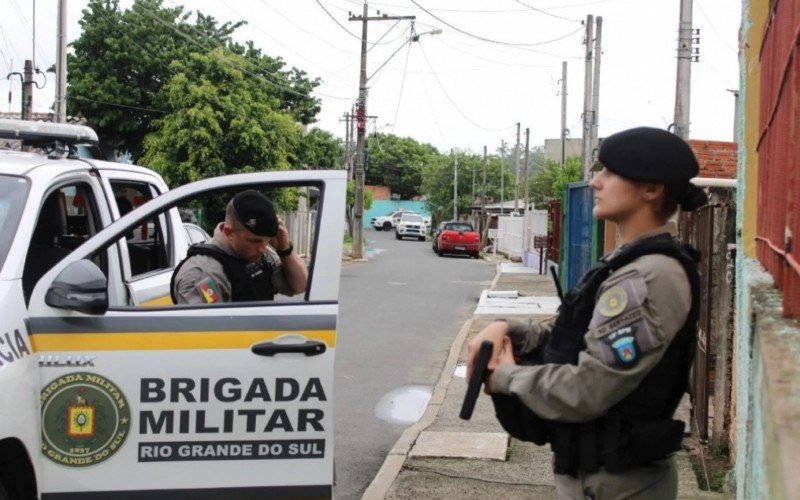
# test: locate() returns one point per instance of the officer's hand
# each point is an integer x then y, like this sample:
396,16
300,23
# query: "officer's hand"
494,333
506,357
282,240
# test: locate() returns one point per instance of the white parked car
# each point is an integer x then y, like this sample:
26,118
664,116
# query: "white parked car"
107,389
388,221
411,225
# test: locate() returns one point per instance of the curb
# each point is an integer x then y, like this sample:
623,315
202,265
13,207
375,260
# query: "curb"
394,461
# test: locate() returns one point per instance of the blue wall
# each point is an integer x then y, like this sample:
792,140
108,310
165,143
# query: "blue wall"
385,207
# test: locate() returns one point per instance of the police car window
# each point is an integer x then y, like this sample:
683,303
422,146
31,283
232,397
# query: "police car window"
148,243
13,192
240,264
67,217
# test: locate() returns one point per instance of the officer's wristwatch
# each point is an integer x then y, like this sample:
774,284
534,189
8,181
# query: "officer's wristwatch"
285,253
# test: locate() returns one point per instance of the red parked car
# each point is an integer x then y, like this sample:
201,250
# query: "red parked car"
458,237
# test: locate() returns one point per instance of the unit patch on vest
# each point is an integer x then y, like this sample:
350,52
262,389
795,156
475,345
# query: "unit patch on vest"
624,346
612,302
208,290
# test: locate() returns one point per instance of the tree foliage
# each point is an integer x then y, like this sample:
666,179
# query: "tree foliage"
398,162
551,180
220,122
321,149
123,60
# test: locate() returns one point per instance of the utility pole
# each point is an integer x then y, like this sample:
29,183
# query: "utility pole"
347,119
472,201
593,146
61,64
455,189
526,234
502,177
516,167
361,126
587,101
527,147
27,91
483,196
684,75
564,115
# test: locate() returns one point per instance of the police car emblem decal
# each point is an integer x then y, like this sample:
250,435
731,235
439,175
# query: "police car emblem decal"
85,419
612,302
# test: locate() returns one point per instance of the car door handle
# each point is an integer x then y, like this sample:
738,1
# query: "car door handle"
309,348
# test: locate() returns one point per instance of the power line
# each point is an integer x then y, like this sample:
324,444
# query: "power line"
115,104
430,106
489,39
450,99
277,41
402,84
711,25
486,59
535,9
337,22
244,70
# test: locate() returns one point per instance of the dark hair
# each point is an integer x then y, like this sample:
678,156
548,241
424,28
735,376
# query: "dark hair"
686,195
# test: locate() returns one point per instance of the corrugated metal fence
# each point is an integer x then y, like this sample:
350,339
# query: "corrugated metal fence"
778,158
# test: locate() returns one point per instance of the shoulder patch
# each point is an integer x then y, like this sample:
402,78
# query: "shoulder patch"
612,302
207,288
624,345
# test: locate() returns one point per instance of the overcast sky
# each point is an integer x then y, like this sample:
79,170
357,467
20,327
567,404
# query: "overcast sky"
491,66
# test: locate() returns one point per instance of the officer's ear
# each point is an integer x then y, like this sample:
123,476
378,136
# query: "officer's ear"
651,191
227,230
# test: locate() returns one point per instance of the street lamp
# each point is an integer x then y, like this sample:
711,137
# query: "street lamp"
415,36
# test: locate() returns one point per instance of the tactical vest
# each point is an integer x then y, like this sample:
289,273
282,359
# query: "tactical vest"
248,280
638,429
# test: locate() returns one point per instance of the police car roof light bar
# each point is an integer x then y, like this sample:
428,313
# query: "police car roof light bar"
31,132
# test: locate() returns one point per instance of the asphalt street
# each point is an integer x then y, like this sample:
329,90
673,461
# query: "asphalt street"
399,313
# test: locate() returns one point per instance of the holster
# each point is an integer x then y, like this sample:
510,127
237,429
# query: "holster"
518,421
630,443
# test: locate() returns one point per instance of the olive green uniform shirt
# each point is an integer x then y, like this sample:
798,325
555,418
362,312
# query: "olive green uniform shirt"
207,271
650,295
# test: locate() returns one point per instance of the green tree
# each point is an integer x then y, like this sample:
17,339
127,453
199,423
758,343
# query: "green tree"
321,149
220,122
437,183
398,162
122,60
551,180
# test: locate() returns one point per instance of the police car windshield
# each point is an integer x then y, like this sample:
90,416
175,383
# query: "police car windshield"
13,192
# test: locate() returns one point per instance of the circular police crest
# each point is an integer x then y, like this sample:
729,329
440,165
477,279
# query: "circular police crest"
612,302
85,419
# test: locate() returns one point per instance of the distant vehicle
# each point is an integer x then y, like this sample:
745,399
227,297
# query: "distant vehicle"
388,221
458,237
411,224
435,236
195,233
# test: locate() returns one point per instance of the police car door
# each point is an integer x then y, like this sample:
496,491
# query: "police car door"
220,400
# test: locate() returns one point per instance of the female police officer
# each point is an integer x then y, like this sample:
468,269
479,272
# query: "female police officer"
602,382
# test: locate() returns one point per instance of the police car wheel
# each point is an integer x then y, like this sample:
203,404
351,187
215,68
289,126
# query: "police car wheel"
387,225
397,236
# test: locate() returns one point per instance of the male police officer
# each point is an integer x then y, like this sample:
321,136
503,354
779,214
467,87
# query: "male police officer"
250,257
605,378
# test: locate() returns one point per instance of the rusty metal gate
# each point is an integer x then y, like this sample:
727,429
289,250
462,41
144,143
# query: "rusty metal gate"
697,229
711,230
554,230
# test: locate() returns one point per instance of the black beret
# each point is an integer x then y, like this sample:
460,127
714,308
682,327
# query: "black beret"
649,155
256,213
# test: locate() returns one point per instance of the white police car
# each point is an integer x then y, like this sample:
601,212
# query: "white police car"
109,390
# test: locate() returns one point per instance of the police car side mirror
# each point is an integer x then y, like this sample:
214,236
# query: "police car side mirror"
81,286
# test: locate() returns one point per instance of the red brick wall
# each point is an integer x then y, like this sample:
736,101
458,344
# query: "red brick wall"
717,159
379,192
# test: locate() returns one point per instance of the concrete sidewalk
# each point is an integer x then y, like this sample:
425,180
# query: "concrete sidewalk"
442,456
